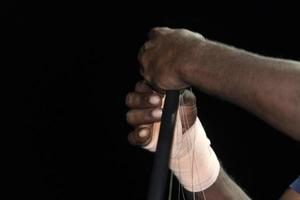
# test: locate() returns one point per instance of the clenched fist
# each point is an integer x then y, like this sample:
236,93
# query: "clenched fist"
146,108
168,55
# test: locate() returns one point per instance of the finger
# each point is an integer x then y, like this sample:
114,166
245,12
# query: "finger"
143,100
156,88
143,87
147,87
140,136
137,117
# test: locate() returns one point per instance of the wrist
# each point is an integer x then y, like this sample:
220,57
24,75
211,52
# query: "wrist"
193,161
212,65
194,69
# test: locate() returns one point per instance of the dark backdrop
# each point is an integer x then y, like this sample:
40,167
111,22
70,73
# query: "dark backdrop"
72,65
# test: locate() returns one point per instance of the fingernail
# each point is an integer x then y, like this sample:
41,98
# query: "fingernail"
156,113
143,133
154,100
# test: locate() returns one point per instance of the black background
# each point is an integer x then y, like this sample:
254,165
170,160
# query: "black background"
72,65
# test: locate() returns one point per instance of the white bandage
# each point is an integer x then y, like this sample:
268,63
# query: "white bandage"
193,161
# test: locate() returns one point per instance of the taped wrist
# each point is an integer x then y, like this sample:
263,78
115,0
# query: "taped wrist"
194,162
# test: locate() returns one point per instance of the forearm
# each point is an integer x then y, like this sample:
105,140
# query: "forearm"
268,87
290,194
223,189
293,192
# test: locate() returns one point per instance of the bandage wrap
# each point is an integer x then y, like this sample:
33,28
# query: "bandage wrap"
193,161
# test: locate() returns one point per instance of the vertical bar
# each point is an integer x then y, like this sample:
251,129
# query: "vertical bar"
160,168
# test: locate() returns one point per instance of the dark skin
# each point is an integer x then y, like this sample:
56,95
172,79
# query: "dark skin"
139,116
290,194
267,87
141,109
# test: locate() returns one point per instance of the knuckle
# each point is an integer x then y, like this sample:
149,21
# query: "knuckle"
156,32
143,87
154,29
161,29
148,45
139,86
181,29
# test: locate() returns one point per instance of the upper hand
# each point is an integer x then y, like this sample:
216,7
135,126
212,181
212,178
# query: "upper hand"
167,56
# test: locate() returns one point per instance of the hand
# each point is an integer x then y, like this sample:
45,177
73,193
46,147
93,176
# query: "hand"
191,154
145,111
165,58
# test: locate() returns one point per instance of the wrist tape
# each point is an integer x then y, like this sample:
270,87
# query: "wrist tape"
193,161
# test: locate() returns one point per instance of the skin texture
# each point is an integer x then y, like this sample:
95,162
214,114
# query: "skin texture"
267,87
223,189
290,194
139,116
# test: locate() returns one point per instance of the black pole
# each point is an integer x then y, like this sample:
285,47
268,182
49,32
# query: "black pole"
161,161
